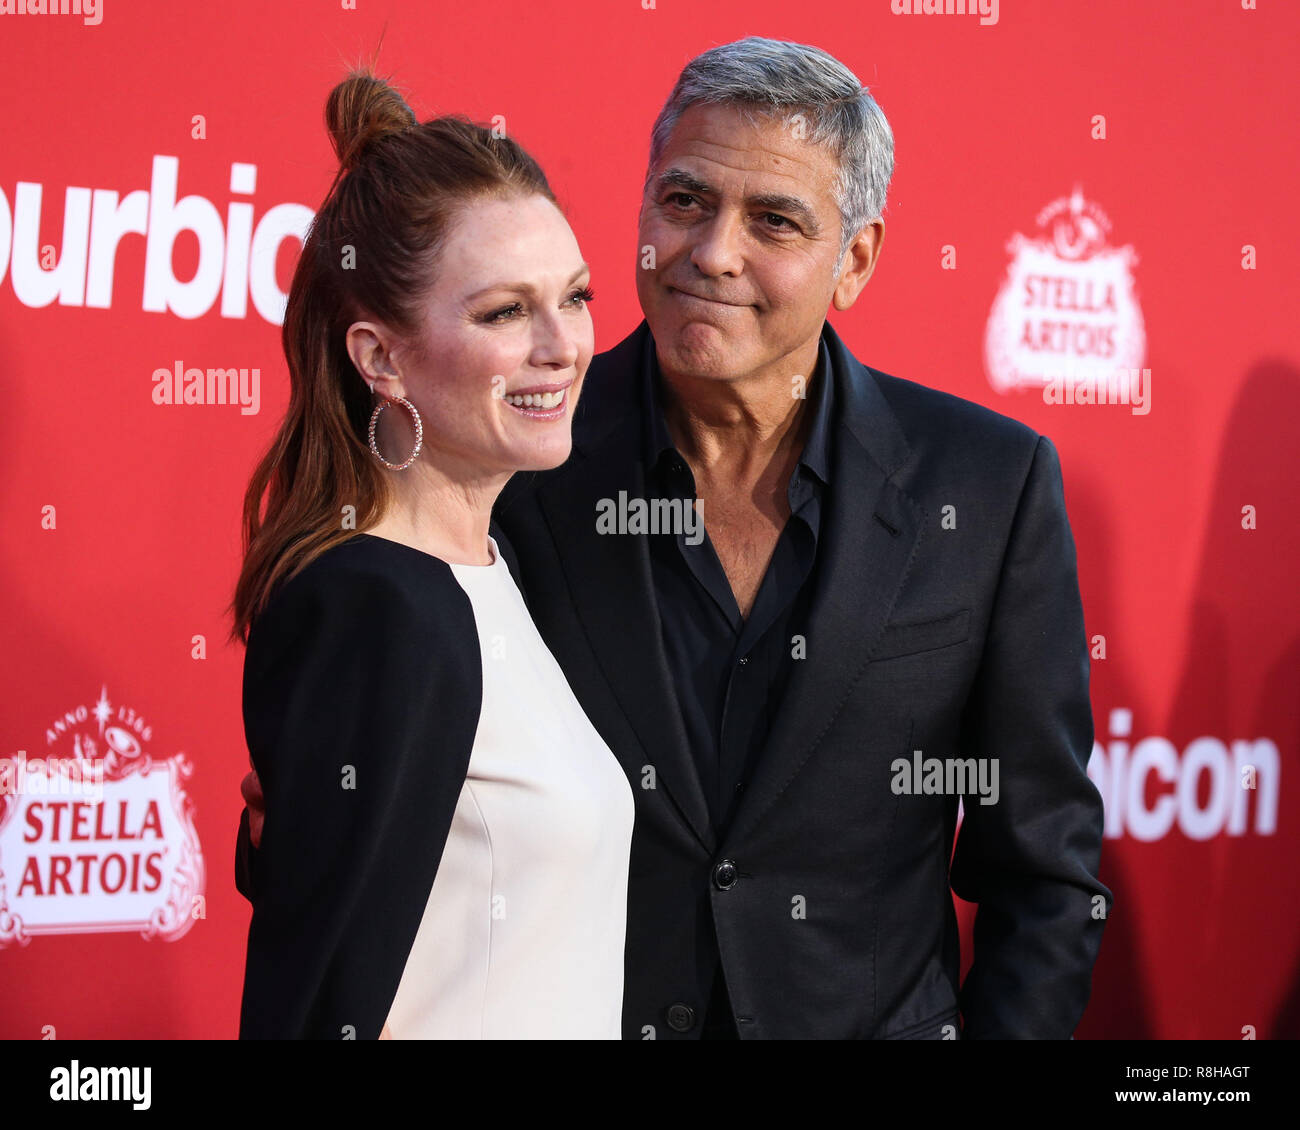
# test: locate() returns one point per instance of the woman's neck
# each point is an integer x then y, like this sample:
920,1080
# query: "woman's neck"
441,515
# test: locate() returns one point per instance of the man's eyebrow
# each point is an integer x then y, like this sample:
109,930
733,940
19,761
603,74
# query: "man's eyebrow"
524,288
793,206
680,178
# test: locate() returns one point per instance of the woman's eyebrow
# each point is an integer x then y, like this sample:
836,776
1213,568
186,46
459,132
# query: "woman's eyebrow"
523,287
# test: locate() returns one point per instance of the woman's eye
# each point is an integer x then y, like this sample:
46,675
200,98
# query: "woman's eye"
508,313
503,314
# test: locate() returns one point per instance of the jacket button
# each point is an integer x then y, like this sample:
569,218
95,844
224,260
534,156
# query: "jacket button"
724,875
681,1017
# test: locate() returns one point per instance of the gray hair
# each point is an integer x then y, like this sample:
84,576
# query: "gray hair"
773,75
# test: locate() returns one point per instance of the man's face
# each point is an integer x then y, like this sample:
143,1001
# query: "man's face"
746,236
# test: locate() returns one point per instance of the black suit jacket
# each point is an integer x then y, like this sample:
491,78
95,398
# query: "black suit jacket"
958,632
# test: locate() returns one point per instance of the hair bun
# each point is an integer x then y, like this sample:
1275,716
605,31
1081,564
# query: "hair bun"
361,110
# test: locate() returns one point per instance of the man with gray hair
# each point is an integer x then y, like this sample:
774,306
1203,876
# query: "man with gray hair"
886,569
886,579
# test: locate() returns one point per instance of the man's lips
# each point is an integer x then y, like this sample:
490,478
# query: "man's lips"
712,301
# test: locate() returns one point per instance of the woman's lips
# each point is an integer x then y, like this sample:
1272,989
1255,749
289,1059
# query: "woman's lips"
545,402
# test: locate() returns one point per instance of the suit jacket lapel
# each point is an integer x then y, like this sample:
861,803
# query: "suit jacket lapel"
609,575
867,542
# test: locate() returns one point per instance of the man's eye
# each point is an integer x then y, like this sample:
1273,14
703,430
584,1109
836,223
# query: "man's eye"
678,197
781,220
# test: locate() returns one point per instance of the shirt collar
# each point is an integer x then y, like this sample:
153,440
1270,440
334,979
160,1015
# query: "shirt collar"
820,391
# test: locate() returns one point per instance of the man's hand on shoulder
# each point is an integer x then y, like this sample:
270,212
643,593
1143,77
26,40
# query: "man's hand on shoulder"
249,838
250,788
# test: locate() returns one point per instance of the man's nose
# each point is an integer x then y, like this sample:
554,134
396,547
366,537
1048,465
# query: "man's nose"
717,249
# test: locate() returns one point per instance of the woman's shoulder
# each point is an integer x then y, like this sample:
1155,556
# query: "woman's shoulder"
362,630
372,581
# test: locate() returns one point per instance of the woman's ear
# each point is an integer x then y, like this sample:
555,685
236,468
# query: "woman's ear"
370,347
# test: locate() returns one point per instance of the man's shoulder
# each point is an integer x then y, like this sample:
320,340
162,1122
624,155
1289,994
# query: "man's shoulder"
626,352
937,416
610,385
949,437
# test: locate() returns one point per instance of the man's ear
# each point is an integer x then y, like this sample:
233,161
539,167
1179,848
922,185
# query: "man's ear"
859,261
371,348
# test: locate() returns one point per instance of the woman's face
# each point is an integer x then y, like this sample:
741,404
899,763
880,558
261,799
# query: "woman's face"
505,340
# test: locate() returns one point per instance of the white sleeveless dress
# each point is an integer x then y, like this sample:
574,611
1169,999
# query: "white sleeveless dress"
522,936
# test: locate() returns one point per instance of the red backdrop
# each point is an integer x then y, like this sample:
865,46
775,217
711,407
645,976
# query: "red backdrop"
1120,173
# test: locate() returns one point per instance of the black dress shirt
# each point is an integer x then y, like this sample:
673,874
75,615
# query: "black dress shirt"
729,672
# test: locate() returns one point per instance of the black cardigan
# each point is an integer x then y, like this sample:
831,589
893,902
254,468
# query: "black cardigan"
361,694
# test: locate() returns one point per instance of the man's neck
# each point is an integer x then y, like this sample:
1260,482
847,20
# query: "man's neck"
740,428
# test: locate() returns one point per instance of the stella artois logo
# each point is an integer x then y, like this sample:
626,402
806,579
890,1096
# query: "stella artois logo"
1067,305
97,832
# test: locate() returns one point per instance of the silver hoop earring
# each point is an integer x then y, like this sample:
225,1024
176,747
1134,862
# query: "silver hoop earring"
419,431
